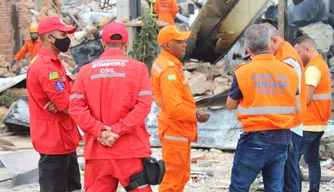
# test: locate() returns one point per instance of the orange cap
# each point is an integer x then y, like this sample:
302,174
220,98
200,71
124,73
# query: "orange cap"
171,32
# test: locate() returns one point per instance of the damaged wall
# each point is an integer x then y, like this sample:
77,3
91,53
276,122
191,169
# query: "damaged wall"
6,28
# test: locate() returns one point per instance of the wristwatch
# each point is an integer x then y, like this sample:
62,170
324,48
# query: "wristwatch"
198,115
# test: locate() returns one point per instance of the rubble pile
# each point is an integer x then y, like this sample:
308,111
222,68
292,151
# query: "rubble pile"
206,79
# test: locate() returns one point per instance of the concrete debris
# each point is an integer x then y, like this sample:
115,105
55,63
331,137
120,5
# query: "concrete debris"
328,163
322,34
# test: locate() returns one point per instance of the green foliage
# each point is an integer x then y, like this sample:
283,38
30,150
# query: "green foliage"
8,97
145,48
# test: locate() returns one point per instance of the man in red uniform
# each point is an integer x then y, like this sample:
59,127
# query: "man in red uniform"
54,134
110,100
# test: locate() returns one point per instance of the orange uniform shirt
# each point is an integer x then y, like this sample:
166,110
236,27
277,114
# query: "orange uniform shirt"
28,47
166,10
172,94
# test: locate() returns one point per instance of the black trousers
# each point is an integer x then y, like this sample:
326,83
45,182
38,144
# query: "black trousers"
59,173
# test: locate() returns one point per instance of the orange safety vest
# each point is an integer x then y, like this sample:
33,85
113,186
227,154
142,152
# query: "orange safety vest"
268,90
29,47
319,109
286,51
173,96
166,10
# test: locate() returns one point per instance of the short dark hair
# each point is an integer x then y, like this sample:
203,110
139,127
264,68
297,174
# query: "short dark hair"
42,37
305,39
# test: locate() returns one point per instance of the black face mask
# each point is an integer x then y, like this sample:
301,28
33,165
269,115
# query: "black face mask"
62,44
34,38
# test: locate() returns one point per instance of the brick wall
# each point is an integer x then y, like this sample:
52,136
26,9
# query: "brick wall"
6,29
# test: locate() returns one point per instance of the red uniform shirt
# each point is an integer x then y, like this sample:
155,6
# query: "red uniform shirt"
51,133
114,90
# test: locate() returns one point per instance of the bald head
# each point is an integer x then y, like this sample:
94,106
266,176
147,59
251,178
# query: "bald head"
306,48
305,41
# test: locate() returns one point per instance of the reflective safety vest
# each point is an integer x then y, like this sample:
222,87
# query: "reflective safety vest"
268,87
286,52
320,108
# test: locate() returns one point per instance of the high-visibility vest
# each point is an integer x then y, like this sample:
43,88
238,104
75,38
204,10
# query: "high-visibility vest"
268,87
285,52
320,108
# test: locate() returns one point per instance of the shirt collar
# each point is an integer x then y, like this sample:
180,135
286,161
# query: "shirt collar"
48,53
112,52
177,62
265,56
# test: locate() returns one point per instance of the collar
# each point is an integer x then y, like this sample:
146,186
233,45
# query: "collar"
175,60
312,61
264,56
46,52
112,52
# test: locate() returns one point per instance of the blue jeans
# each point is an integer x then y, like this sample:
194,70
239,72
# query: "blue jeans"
252,156
309,147
291,170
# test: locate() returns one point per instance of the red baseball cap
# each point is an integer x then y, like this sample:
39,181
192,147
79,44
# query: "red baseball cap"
115,28
54,23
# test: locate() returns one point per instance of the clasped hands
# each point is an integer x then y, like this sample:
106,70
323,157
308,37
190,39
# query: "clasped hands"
107,138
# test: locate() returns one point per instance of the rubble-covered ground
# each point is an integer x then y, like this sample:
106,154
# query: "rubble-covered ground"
210,170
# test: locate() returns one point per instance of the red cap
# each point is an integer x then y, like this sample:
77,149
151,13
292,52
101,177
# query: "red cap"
54,23
112,29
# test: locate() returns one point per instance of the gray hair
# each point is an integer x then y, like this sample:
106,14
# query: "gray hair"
257,38
271,29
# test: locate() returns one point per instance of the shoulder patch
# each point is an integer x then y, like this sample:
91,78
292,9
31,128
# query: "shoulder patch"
171,77
53,75
59,85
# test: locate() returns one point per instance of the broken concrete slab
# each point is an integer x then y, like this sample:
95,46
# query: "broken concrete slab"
22,171
6,83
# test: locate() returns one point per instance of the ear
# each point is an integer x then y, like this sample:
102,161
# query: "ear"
249,51
126,45
104,45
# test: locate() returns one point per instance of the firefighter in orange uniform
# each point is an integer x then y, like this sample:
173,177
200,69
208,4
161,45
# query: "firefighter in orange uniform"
319,107
166,10
54,134
178,117
30,46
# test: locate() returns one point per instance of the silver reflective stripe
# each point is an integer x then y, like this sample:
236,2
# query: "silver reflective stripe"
155,66
166,9
112,60
142,186
175,138
266,110
321,96
76,96
158,101
185,81
141,93
111,75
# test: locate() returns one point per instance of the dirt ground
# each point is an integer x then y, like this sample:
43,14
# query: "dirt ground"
211,171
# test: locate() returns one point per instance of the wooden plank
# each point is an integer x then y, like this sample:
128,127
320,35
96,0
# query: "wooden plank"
283,18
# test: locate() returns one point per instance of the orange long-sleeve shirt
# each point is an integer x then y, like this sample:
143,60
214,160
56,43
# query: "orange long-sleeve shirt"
173,95
28,47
